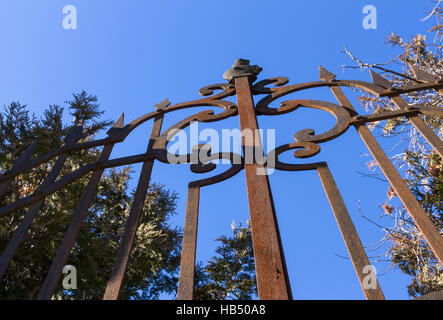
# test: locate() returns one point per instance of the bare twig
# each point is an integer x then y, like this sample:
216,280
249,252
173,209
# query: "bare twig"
433,11
363,65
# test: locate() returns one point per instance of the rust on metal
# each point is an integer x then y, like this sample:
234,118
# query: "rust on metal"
270,265
425,225
62,256
350,236
421,126
271,271
127,242
202,154
425,77
189,247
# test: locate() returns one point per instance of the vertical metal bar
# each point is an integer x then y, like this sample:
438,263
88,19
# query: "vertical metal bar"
55,271
350,236
421,126
272,277
424,224
121,262
17,238
187,263
24,225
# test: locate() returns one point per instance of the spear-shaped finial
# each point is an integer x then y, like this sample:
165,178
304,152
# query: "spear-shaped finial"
162,105
74,135
117,125
325,75
26,155
422,75
119,122
380,81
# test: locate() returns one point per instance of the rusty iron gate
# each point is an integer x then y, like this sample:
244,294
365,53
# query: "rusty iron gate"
271,272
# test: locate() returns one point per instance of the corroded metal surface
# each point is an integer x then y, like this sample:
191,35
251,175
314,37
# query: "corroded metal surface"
272,276
350,236
127,242
189,247
425,225
242,68
270,265
436,295
62,256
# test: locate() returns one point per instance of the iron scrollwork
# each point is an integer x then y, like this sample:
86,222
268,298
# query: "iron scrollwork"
201,158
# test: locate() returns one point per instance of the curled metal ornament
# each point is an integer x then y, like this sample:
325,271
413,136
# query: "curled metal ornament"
161,143
260,87
227,90
237,164
119,131
279,90
340,113
308,149
201,154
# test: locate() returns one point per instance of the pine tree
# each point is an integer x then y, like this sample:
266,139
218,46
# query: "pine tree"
231,274
155,257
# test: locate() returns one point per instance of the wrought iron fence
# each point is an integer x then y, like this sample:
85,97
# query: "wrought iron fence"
271,271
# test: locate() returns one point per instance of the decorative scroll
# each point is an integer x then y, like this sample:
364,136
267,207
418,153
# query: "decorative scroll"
311,149
116,134
201,160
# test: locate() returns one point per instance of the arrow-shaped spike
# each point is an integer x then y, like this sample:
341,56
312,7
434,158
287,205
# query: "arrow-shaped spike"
117,125
325,75
74,135
119,122
422,75
162,105
380,81
26,155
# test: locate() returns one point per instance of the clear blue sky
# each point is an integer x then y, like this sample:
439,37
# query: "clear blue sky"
133,54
